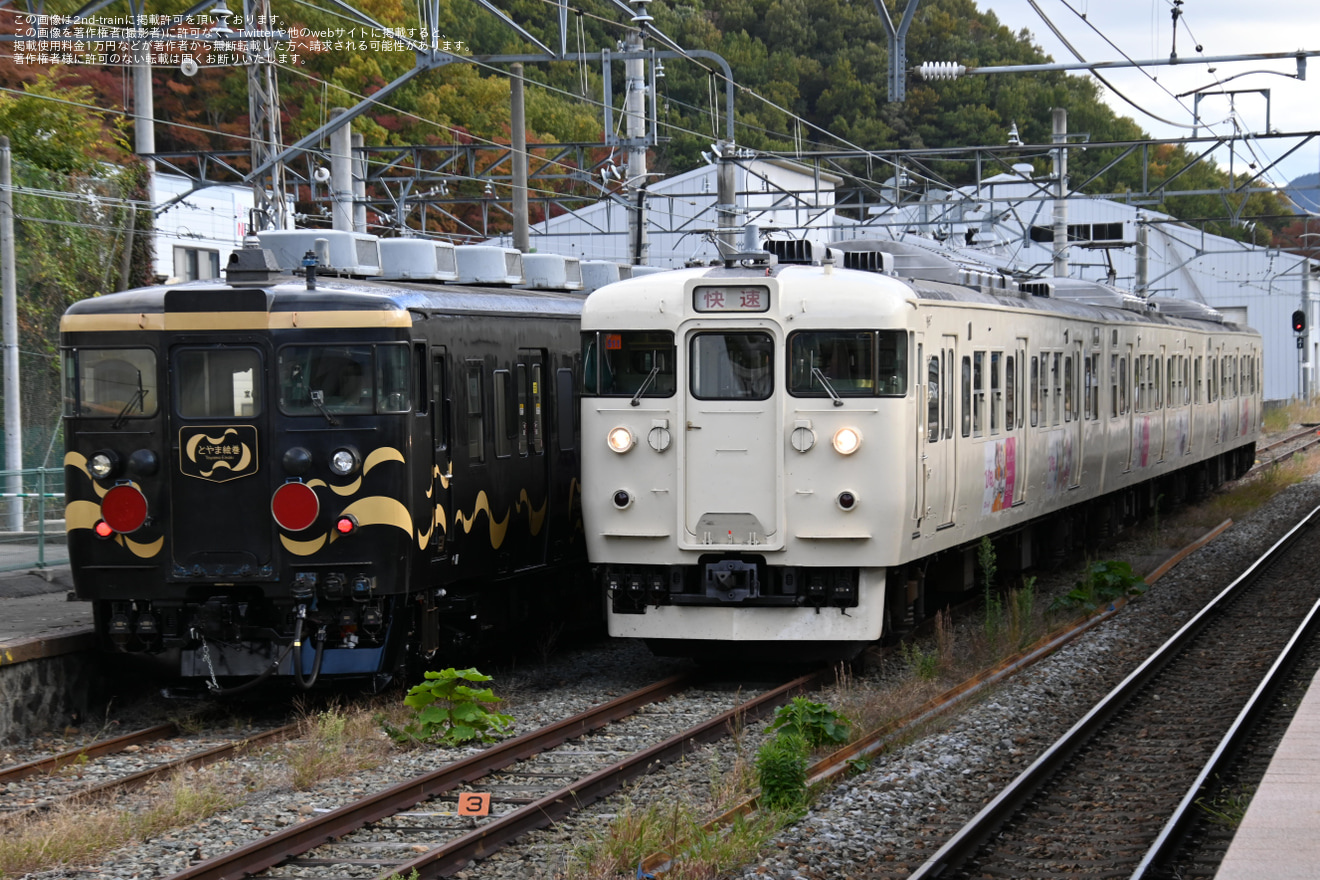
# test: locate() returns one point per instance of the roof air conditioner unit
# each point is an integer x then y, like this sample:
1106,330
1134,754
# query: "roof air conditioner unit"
417,259
551,272
597,273
489,264
339,252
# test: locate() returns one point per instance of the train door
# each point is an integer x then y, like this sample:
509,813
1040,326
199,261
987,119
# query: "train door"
1073,392
520,454
730,439
940,460
1163,401
1125,402
219,428
442,467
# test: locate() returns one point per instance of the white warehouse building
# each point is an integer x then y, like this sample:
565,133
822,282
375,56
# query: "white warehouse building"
1008,223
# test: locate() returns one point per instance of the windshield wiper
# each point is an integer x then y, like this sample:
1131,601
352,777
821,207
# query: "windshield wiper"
655,371
817,374
138,399
318,401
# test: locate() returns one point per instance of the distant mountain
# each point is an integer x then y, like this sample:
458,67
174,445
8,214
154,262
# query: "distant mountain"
1305,193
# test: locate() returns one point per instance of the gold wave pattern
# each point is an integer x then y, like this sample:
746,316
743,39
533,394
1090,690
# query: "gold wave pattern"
374,510
535,518
381,455
303,548
497,528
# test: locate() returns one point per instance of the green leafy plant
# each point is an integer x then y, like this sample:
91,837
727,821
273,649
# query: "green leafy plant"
925,665
449,712
816,723
1103,583
781,769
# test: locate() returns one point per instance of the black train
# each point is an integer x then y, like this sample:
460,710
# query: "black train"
377,473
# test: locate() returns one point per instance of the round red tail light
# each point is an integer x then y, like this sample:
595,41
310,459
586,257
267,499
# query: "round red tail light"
346,524
295,506
124,508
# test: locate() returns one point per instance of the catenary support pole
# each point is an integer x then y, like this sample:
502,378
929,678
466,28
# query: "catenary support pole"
518,131
9,289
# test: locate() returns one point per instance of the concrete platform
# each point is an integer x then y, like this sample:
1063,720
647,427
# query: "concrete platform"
38,620
50,676
1279,837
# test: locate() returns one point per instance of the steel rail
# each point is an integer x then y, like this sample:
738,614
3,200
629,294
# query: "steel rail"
964,844
1252,711
1266,455
837,764
94,750
142,777
490,837
295,840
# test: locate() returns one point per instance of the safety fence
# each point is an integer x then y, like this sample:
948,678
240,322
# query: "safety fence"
32,519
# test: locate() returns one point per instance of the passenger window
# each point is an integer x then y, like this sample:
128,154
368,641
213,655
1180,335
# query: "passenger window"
978,393
1035,391
966,396
933,400
1010,393
476,418
538,436
1113,386
1068,389
506,417
439,403
996,397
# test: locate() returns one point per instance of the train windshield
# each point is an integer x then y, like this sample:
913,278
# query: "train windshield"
630,363
732,365
849,363
218,383
353,379
113,383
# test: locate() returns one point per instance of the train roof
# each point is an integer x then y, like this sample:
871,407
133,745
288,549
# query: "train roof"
393,302
889,293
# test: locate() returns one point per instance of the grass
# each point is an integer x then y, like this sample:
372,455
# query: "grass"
332,743
79,834
677,830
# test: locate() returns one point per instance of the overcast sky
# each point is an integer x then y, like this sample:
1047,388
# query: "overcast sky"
1142,30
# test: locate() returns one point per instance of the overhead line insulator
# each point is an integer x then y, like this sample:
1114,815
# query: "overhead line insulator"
937,70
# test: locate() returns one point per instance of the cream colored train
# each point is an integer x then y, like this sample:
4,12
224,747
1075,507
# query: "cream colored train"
798,456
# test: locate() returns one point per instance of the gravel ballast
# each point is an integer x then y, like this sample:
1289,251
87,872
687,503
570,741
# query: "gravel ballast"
875,824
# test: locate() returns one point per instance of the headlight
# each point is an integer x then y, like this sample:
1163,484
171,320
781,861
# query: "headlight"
343,462
847,440
621,439
103,464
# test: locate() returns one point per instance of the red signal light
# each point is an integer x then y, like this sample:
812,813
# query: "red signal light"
102,529
346,525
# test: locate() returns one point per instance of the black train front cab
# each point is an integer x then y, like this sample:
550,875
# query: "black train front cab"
261,480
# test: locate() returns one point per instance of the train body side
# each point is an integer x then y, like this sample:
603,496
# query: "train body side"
787,512
249,467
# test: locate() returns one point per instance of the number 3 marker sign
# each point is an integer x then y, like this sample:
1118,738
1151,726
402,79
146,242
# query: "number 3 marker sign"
470,803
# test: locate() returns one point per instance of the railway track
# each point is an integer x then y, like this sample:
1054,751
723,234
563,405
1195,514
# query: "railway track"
1284,448
1116,794
145,756
533,780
